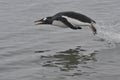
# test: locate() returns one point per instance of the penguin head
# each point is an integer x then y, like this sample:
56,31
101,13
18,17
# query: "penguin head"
46,20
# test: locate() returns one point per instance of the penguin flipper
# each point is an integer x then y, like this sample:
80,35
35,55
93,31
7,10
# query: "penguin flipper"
67,23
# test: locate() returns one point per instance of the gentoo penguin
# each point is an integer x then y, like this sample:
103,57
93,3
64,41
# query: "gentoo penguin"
69,19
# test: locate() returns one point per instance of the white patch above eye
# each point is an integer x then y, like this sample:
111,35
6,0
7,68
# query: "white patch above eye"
44,19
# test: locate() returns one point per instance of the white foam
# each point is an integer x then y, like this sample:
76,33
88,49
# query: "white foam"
109,33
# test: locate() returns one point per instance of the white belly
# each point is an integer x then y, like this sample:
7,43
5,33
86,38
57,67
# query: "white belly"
74,22
59,23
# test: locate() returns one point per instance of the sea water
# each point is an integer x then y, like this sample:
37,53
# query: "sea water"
46,52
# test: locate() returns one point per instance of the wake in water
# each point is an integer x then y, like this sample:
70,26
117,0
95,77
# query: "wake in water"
109,32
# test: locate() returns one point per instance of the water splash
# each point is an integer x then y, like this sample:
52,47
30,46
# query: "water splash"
109,32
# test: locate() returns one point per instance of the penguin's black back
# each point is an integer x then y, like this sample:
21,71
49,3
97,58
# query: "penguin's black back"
75,15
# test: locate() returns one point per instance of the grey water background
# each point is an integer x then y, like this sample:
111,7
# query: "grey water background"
30,52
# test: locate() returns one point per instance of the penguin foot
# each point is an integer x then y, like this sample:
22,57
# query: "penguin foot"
78,27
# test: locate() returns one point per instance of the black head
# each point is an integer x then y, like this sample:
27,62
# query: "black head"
47,20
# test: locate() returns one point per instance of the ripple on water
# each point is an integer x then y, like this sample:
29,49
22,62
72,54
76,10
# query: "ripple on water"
70,60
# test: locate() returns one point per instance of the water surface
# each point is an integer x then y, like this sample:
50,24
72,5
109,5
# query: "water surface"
30,52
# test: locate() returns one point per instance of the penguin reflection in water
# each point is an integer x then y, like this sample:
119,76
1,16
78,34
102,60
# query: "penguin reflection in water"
69,19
